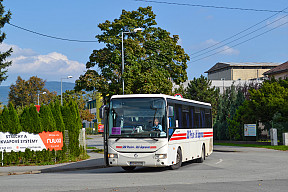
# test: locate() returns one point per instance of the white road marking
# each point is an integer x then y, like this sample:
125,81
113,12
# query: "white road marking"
220,160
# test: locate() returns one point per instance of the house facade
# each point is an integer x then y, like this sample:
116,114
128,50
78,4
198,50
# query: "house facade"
278,72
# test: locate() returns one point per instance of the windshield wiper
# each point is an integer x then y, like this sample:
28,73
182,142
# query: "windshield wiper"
155,139
117,139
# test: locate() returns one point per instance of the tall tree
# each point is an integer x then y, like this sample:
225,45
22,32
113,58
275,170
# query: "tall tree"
6,122
15,126
56,111
200,89
153,59
24,93
4,18
47,119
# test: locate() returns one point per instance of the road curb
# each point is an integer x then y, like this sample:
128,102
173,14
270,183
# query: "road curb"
220,150
20,173
51,170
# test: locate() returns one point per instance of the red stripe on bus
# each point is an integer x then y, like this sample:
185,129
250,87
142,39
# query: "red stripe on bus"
179,134
152,147
208,136
208,133
119,147
177,138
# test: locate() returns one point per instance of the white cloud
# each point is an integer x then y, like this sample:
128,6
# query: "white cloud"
278,21
226,50
50,67
212,46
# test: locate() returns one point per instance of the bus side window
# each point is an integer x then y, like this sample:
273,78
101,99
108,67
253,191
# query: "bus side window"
179,116
171,116
192,117
197,119
203,121
185,119
208,118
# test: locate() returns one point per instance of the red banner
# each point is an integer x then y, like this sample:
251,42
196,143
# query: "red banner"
52,140
100,128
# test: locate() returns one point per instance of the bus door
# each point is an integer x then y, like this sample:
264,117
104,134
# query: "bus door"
103,113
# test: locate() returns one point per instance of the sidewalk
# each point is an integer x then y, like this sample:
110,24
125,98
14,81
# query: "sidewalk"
95,161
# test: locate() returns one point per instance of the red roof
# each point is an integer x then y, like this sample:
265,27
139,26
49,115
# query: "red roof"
279,69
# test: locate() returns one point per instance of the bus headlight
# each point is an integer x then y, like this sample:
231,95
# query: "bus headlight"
160,156
112,155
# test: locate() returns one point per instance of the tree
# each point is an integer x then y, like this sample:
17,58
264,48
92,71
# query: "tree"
153,59
15,126
229,102
6,122
24,93
4,18
78,97
270,99
35,120
25,121
200,89
47,119
55,108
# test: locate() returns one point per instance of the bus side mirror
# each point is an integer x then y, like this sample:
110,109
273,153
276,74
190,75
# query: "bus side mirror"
170,111
102,110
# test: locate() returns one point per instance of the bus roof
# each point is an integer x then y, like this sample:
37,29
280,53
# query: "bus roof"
159,95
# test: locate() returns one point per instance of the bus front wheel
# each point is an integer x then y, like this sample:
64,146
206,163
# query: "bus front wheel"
178,160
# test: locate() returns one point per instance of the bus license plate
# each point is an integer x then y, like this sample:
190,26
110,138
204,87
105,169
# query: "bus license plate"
136,163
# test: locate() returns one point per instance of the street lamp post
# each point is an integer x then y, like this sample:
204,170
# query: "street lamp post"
68,77
39,94
134,31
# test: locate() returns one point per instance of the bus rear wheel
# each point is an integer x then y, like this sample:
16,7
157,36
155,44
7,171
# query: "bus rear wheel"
202,158
178,160
128,168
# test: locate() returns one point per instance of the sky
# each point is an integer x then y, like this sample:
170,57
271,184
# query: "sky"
250,35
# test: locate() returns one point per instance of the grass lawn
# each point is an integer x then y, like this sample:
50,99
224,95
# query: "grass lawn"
95,150
279,147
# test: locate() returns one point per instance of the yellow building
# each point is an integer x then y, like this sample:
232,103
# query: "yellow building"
93,107
239,71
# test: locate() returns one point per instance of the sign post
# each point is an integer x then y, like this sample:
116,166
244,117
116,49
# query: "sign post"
100,128
250,130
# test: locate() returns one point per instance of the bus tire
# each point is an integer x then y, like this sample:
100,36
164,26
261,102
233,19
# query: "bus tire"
128,168
178,160
202,158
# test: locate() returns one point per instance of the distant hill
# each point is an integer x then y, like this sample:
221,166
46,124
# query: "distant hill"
56,86
50,85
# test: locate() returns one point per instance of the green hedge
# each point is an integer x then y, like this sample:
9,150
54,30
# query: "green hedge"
52,117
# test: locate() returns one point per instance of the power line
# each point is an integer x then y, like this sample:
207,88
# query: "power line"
53,37
239,37
236,34
211,6
239,43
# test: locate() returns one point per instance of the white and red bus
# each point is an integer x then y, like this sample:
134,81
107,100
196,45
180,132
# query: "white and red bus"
156,130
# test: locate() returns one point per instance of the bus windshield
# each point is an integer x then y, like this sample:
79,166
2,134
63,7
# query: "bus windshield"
137,118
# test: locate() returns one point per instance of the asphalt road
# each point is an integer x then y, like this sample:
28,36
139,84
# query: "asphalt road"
247,169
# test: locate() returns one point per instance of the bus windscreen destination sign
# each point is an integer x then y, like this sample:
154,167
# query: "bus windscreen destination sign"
249,130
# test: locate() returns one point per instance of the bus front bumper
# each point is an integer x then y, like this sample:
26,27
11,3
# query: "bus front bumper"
138,159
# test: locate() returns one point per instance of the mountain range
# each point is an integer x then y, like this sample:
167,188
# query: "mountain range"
50,85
